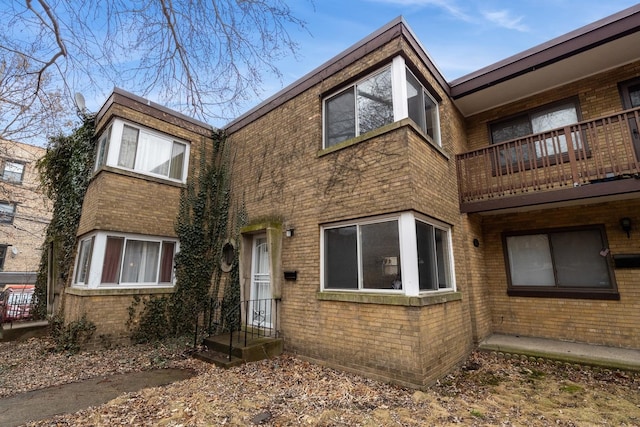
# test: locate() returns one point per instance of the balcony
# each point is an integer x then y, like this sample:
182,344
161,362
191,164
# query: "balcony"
585,160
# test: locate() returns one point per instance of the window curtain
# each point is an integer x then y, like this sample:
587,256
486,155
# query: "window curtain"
166,262
112,257
128,147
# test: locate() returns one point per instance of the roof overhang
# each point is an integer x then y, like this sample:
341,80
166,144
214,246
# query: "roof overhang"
597,47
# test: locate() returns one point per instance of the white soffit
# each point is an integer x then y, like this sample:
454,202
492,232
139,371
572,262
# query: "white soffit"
593,61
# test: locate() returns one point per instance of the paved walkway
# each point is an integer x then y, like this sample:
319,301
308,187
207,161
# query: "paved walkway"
595,355
68,398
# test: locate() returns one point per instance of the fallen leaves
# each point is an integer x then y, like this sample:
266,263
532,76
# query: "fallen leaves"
287,391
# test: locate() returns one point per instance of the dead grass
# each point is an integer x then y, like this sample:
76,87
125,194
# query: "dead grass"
285,391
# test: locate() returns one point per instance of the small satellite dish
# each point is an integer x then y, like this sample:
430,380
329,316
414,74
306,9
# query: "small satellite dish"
80,102
14,250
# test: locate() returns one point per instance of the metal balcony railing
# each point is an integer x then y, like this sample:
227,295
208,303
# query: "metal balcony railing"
606,148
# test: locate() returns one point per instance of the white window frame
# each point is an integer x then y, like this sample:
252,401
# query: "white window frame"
408,254
98,254
111,140
399,90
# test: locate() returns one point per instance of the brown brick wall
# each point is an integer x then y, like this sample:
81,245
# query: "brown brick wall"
108,310
592,321
33,210
598,96
278,174
119,202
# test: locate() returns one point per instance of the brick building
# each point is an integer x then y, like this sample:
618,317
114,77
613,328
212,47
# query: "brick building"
24,213
411,217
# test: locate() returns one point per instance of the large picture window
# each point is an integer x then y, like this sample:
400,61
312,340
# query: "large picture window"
369,104
134,148
125,260
368,256
566,260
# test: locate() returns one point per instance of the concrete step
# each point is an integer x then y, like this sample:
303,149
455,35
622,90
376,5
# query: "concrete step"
219,359
255,348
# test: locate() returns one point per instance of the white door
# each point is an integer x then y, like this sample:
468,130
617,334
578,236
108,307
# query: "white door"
260,305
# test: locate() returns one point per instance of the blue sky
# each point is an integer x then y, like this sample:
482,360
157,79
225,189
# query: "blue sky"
460,36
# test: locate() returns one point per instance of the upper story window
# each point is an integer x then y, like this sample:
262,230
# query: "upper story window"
377,100
7,212
12,171
405,254
142,150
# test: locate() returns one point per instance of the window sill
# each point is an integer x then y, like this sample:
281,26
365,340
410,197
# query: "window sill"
565,293
84,291
389,299
139,175
381,131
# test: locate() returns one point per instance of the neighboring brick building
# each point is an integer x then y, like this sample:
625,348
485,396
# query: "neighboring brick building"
24,212
412,217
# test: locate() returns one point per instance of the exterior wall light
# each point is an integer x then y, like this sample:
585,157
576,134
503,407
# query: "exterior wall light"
625,223
289,232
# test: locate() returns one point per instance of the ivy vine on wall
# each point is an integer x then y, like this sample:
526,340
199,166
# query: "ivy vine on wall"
65,171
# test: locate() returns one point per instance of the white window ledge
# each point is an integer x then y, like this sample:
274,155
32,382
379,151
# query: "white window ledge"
118,291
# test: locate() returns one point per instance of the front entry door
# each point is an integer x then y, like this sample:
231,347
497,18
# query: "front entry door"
260,305
631,99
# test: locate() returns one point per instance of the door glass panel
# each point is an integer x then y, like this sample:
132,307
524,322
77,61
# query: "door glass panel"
260,305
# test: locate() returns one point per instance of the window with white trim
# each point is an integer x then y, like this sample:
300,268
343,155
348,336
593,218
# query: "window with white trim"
554,261
115,259
407,254
377,100
12,171
126,146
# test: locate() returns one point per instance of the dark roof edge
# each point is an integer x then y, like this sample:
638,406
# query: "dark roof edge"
589,36
148,105
395,28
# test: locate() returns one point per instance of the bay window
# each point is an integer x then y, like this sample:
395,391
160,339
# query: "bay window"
376,101
126,260
400,254
130,147
574,261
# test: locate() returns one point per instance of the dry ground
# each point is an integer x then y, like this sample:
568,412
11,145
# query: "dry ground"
287,391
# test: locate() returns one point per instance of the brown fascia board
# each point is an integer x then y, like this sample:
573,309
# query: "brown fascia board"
592,35
144,106
394,29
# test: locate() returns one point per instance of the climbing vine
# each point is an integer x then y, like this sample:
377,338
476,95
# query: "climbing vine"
201,227
65,171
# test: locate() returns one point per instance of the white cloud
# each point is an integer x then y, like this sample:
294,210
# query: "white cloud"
503,19
447,5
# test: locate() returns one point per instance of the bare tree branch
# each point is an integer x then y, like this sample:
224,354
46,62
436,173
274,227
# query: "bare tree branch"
201,57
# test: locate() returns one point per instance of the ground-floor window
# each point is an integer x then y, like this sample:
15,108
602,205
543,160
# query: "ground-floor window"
405,253
115,259
559,260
